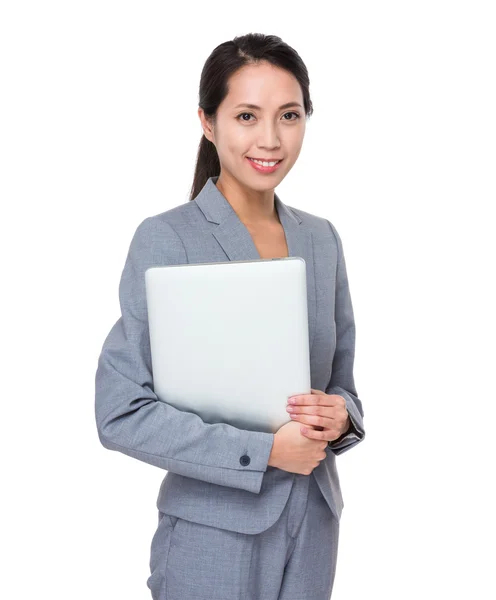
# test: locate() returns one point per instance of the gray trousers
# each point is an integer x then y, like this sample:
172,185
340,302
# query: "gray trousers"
294,559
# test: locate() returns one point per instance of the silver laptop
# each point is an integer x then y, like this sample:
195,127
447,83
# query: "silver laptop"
229,340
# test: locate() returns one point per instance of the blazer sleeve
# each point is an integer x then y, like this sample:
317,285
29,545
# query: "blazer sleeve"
342,380
129,416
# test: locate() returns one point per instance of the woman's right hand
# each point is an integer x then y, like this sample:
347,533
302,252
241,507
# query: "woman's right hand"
294,452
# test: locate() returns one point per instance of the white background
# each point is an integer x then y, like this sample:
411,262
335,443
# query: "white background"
99,130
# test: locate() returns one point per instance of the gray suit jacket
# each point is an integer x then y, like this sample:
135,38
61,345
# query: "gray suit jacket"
217,474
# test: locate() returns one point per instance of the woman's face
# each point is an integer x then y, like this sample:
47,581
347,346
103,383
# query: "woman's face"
268,132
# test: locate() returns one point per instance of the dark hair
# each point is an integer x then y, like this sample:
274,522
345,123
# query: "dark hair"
223,62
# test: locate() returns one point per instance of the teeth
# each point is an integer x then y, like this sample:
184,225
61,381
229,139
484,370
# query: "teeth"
265,164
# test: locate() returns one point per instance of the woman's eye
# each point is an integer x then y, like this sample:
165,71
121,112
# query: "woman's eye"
242,114
252,115
292,113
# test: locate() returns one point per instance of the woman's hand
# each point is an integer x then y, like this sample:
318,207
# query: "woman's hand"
326,412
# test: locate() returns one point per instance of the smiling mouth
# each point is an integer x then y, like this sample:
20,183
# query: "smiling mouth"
272,160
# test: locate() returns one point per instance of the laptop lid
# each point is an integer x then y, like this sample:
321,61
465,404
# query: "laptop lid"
229,340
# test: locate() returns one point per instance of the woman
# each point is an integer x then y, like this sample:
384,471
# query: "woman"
240,513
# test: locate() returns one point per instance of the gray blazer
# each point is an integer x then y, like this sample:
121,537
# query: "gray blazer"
217,474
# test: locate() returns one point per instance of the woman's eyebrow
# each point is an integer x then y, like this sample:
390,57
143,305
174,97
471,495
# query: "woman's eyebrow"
287,105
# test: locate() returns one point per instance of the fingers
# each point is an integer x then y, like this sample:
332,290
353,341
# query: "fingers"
316,420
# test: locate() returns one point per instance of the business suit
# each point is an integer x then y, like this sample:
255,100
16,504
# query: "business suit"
218,475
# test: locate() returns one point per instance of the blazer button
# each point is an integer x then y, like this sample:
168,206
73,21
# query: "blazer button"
245,460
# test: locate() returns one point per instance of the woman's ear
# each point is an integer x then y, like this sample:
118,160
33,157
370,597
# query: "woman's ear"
206,125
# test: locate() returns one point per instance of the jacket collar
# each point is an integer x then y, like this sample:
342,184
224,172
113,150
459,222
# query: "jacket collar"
237,243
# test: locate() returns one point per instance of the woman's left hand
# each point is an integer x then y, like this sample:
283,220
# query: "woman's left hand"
326,412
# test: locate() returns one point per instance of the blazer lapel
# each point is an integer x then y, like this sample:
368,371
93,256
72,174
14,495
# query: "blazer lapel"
237,243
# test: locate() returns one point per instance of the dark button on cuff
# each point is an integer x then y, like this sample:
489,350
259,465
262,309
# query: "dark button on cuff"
245,460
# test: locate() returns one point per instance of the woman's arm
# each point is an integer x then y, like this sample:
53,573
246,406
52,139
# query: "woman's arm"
129,416
342,380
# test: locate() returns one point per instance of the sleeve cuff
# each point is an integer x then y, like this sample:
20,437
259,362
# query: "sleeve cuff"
355,433
258,446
